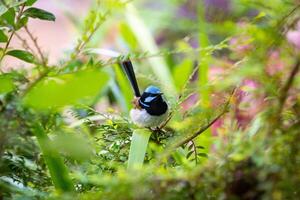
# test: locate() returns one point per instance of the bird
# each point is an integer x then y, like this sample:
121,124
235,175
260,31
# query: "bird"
150,109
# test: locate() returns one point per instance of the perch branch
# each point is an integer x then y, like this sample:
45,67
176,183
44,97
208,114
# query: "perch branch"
203,129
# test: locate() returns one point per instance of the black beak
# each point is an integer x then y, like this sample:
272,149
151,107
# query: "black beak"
128,68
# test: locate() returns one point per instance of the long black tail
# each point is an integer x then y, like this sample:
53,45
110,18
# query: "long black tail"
127,66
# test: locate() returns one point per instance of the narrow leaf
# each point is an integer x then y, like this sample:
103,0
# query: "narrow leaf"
30,2
22,55
39,13
21,23
3,37
182,73
202,155
138,147
189,154
147,43
58,171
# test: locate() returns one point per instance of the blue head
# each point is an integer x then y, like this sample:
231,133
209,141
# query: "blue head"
153,90
152,101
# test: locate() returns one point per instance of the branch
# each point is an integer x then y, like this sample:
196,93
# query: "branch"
25,44
203,129
81,44
34,40
285,89
171,148
12,33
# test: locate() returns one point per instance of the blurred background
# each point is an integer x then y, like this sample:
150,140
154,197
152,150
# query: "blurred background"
204,55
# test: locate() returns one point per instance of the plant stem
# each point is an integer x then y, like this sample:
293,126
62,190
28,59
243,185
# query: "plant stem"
285,89
25,44
172,147
283,95
12,33
34,40
201,130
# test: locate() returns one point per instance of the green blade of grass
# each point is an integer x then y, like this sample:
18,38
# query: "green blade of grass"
147,43
138,148
205,139
204,58
58,171
123,86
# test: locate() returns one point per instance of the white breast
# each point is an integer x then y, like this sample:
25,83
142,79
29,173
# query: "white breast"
141,118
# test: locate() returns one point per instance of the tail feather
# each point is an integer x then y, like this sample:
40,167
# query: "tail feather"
127,66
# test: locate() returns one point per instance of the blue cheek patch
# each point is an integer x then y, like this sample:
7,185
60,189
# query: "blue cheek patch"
149,99
144,105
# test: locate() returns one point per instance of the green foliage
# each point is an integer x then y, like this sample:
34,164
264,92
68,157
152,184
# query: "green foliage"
22,55
39,13
3,37
139,143
230,78
6,84
66,89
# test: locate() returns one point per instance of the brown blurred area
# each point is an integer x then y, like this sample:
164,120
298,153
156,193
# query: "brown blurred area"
54,38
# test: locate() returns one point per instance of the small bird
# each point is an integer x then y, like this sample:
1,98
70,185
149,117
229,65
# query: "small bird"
150,109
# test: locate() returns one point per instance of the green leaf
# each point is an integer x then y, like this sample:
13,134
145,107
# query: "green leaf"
6,84
30,2
67,89
124,86
182,73
73,145
138,147
3,9
128,36
21,23
3,37
146,41
58,171
8,18
22,55
39,13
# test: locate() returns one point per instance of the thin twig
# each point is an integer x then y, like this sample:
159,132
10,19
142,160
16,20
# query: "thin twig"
285,89
34,40
195,151
166,52
283,19
81,44
12,33
25,44
203,129
172,147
